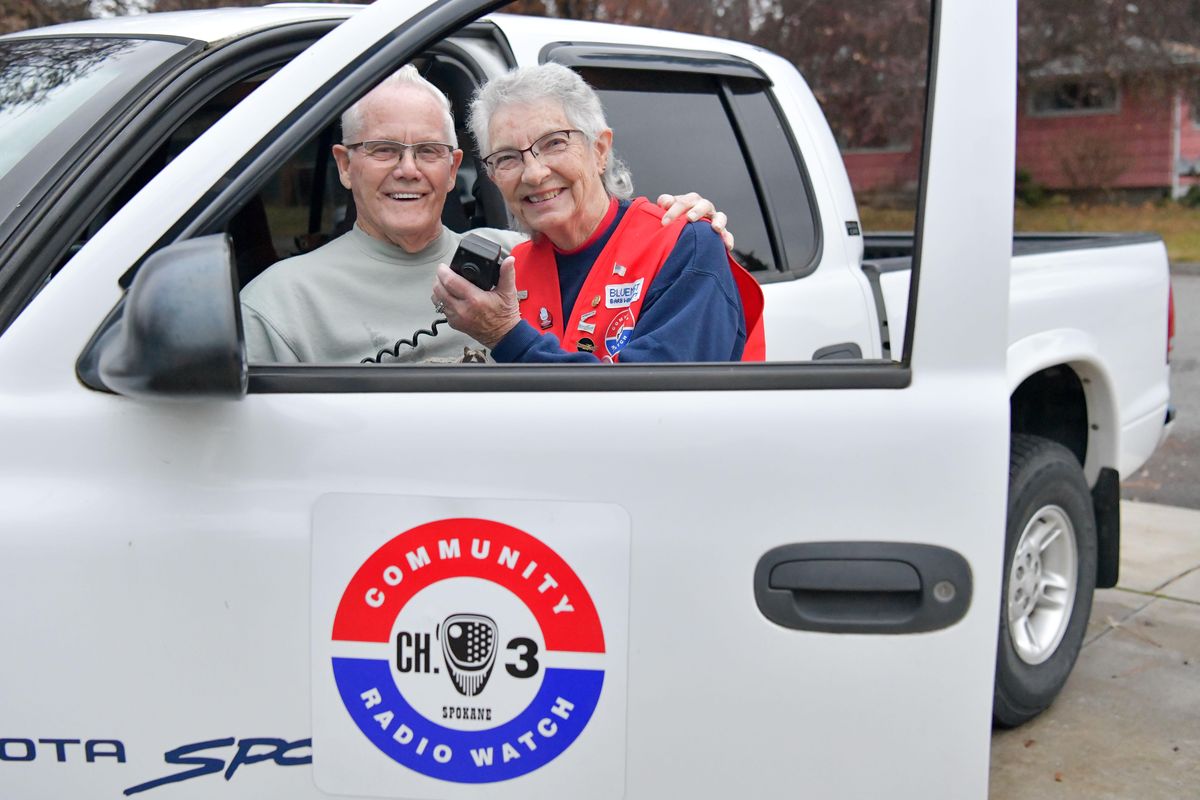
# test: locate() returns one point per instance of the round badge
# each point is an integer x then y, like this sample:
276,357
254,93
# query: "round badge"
494,651
619,332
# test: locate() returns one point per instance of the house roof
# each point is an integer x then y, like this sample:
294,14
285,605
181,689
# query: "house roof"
1135,55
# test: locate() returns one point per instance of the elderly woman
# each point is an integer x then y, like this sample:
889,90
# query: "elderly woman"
602,278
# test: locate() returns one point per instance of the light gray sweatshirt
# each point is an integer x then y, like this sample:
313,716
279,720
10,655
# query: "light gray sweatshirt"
351,298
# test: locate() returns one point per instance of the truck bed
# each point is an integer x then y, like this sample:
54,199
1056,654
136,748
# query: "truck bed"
1066,291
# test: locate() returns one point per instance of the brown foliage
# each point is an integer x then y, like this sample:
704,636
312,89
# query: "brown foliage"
864,59
1092,160
17,15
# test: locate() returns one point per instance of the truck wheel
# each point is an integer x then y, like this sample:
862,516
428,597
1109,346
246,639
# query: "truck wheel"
1049,576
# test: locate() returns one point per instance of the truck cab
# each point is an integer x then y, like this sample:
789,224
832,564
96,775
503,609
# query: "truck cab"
449,581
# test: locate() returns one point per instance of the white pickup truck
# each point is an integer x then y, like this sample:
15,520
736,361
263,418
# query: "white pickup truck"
433,581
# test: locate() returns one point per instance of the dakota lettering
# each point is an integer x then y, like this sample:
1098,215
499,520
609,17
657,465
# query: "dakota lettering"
60,746
17,750
112,749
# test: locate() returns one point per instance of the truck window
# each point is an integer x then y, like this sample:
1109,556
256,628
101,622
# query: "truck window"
784,181
712,158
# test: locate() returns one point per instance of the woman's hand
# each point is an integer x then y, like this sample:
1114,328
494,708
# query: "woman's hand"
696,208
484,316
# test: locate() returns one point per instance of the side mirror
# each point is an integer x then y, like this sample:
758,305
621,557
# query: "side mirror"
177,332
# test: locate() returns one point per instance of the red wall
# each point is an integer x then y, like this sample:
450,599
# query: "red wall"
884,170
1136,137
1189,140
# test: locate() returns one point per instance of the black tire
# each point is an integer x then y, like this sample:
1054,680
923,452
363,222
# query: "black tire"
1044,480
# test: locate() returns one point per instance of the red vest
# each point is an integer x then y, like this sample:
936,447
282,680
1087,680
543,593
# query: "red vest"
608,305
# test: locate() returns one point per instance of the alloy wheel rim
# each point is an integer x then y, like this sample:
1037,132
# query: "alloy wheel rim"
1041,585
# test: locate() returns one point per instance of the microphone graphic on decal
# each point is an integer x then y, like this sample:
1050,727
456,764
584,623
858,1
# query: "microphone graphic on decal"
469,649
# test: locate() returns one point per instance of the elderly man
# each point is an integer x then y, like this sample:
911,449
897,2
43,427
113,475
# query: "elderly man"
364,290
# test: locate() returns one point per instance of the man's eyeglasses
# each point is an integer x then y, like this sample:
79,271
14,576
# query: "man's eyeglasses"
386,151
507,162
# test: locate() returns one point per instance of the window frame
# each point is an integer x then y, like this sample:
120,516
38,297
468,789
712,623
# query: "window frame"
721,67
1047,86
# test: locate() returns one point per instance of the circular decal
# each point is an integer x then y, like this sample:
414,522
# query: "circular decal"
468,651
619,332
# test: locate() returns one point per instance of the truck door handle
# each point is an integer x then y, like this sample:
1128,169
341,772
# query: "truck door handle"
863,587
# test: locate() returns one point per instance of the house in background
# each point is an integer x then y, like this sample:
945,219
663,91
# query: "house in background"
1136,136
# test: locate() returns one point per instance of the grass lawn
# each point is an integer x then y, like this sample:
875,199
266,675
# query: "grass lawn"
1178,226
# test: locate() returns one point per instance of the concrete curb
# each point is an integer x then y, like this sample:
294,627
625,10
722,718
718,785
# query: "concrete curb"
1185,268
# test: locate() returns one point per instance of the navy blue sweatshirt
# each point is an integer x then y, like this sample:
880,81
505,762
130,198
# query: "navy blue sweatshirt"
692,310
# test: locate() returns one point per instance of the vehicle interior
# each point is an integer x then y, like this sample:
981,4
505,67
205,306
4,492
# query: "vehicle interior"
304,205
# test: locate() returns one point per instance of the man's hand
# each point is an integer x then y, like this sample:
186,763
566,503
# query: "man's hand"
696,207
484,316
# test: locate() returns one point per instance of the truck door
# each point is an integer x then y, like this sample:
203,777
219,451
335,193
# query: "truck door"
460,581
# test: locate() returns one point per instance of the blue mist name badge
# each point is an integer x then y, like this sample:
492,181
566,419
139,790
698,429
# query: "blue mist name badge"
622,295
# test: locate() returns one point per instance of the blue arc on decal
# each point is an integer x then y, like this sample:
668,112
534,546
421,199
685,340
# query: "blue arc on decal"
616,344
538,735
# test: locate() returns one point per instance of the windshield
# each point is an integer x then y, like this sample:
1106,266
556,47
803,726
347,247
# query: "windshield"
53,93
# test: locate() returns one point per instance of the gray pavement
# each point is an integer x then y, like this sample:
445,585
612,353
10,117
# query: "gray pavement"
1127,724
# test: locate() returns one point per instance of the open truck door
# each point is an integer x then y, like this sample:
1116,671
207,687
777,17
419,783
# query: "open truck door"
504,581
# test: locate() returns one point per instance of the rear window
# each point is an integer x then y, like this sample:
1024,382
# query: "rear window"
731,128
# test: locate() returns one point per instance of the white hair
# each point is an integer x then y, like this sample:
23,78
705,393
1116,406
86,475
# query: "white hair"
556,83
352,117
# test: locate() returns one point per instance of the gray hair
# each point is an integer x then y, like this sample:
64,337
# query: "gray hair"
556,83
352,117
